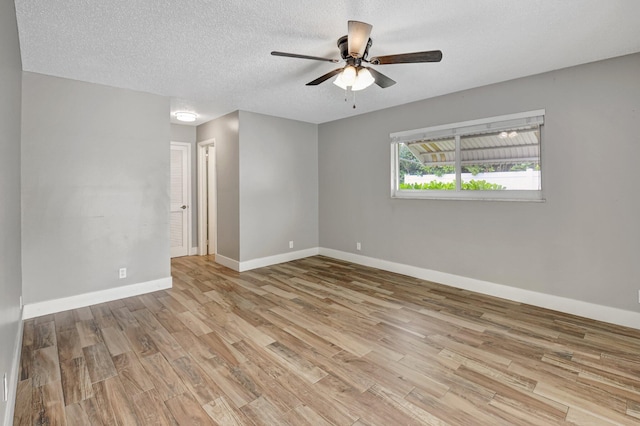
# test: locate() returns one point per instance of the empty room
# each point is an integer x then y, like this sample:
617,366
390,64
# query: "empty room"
319,213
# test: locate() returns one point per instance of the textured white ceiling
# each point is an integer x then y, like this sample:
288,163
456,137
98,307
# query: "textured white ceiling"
213,56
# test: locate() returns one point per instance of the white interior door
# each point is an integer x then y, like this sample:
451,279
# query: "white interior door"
211,200
207,200
180,198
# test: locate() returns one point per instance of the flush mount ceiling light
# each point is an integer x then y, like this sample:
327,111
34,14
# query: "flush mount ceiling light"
185,116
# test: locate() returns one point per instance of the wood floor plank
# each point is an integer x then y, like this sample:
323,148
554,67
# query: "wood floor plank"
163,377
168,321
83,314
95,414
64,321
76,382
116,341
28,332
140,340
304,415
110,394
321,341
47,404
633,409
89,332
133,376
45,366
76,416
282,399
22,413
26,362
151,410
193,323
124,318
224,413
44,335
99,362
103,316
69,346
261,412
196,380
233,383
167,344
187,411
297,363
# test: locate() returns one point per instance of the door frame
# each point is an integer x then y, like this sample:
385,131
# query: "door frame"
203,189
189,201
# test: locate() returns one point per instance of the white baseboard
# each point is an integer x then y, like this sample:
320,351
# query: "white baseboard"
13,376
229,263
247,265
543,300
32,310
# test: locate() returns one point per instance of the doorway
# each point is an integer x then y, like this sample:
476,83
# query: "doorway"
207,201
180,221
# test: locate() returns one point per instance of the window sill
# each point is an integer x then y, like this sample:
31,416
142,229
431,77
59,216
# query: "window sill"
528,197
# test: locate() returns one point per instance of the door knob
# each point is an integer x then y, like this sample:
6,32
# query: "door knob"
183,207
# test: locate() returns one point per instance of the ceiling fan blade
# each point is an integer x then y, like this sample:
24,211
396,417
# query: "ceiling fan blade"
408,58
381,79
325,77
358,38
295,55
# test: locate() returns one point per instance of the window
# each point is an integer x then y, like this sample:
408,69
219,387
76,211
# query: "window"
493,158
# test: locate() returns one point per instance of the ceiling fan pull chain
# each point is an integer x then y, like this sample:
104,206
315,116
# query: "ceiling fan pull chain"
354,99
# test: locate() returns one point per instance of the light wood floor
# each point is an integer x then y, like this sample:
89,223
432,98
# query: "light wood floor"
319,341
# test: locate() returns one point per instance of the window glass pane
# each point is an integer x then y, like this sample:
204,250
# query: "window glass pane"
506,161
427,165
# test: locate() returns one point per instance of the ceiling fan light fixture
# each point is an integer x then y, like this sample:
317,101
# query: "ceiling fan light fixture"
185,116
346,78
361,80
364,79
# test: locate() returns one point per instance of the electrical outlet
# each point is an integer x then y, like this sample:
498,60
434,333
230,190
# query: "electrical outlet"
122,273
358,246
290,244
5,386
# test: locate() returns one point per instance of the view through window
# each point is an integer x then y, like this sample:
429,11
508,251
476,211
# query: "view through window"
494,158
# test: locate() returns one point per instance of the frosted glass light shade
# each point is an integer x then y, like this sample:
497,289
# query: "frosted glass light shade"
339,81
349,75
363,80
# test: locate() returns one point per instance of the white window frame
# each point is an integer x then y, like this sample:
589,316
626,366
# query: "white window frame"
456,130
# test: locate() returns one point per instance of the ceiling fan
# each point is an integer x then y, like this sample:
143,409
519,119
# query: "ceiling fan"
354,49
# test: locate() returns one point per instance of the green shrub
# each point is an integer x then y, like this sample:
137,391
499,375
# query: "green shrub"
472,185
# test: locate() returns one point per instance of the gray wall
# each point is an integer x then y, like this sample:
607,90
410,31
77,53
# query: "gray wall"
10,259
95,187
187,134
582,243
267,178
225,132
278,185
